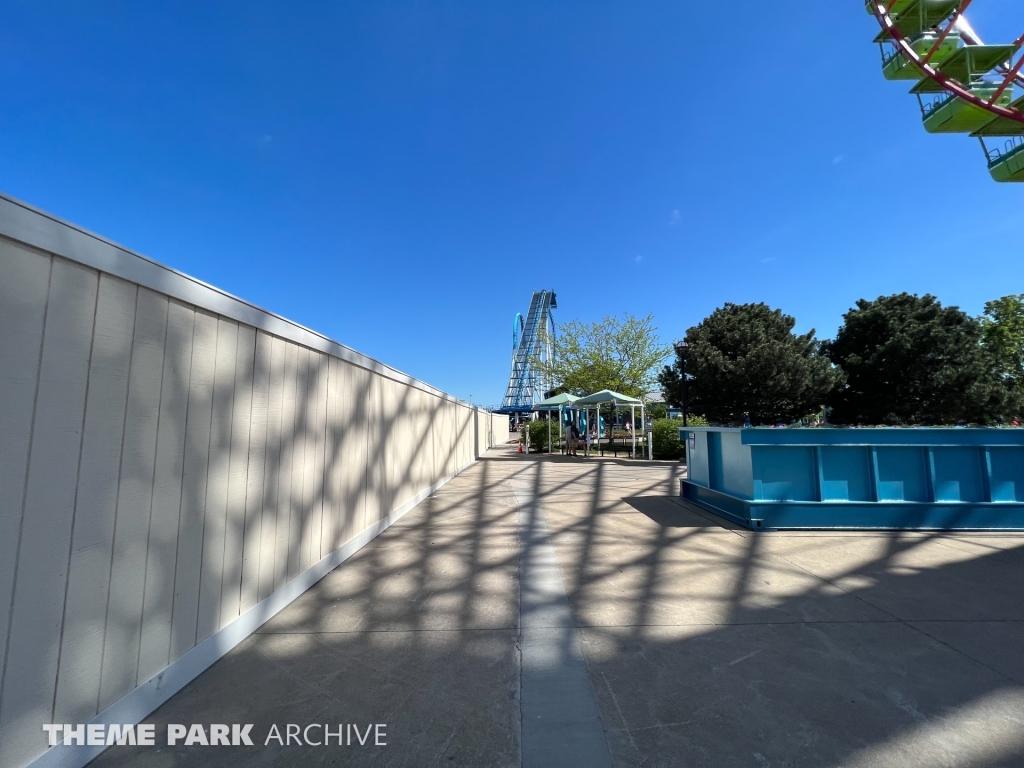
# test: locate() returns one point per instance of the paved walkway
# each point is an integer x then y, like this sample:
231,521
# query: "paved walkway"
556,611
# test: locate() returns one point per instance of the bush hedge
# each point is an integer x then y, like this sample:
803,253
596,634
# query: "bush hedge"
539,435
666,442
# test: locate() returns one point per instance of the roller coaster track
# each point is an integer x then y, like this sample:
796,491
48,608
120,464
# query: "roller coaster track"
532,342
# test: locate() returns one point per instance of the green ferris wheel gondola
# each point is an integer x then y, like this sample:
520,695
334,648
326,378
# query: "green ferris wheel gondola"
974,61
1008,165
897,66
918,16
950,113
895,9
1005,162
964,86
917,20
1003,126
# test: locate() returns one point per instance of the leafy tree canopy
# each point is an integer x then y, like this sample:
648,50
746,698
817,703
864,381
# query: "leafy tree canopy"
744,359
618,354
910,360
1003,333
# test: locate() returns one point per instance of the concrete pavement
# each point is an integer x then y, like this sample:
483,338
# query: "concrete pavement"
667,636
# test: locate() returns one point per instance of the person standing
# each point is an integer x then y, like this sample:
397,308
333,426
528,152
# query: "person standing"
574,439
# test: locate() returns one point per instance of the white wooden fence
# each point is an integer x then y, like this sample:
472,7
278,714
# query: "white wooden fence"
176,465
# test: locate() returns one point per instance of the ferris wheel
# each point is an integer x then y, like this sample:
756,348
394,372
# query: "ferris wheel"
963,85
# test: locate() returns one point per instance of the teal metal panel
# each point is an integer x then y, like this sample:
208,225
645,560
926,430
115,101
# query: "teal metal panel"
901,479
784,473
923,436
735,462
714,443
697,460
957,473
945,516
846,474
1007,474
722,504
900,515
902,474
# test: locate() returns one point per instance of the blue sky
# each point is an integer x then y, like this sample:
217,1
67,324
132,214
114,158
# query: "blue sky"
401,176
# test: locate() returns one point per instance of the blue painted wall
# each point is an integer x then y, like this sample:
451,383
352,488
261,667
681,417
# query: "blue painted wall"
696,456
846,473
888,478
1007,470
957,474
901,473
785,473
735,467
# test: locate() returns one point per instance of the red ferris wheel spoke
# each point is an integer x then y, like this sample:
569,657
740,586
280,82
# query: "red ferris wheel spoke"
1010,77
949,28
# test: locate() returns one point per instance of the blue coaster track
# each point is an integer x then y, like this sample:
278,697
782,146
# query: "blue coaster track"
532,342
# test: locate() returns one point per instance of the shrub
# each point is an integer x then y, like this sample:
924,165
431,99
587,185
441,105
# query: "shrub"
539,435
666,442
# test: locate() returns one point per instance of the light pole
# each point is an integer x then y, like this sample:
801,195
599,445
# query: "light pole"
681,348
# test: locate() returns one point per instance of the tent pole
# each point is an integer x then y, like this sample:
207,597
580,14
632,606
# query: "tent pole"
560,417
549,433
643,418
632,428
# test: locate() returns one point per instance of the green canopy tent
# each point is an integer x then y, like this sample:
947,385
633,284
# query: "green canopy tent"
598,399
556,403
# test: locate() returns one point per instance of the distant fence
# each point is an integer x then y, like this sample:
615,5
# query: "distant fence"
176,465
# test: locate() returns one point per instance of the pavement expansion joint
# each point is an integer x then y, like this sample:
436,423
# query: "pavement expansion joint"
560,721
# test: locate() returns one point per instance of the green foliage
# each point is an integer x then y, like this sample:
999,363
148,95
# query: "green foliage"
909,360
539,434
744,360
1002,328
622,355
657,411
665,438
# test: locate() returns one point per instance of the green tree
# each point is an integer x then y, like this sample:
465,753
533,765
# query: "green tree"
1002,328
618,354
909,360
744,360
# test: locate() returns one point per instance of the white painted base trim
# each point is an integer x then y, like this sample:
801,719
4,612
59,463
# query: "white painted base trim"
137,704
